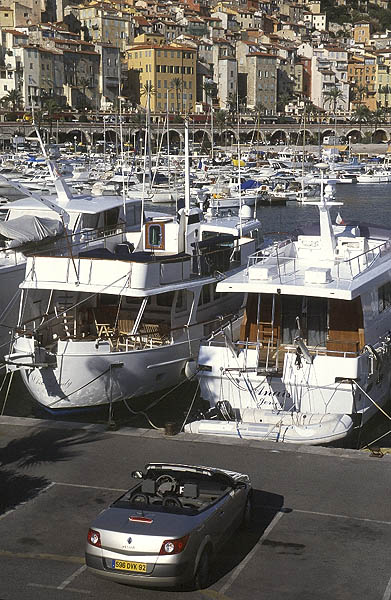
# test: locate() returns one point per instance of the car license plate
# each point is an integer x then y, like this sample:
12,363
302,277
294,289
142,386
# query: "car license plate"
126,565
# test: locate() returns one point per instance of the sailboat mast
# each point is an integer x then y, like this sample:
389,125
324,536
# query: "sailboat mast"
187,168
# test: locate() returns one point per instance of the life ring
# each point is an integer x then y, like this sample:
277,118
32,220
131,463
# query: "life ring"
216,195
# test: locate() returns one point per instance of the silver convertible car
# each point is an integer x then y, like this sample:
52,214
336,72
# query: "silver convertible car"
165,530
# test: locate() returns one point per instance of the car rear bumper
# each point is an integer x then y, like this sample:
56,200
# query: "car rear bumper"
161,576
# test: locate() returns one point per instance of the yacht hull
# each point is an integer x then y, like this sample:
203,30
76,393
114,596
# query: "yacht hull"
329,385
85,379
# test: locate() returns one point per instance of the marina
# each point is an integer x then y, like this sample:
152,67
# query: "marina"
277,221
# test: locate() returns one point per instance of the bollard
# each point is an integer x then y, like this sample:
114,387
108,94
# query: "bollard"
169,429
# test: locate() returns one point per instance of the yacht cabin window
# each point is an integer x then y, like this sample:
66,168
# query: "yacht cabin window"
154,236
384,295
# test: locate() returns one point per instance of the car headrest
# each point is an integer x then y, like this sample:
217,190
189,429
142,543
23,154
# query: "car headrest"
148,486
190,490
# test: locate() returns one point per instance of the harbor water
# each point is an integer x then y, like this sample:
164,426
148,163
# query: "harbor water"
169,410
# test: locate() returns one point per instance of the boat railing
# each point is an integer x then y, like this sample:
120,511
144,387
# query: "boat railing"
358,264
77,241
262,345
262,255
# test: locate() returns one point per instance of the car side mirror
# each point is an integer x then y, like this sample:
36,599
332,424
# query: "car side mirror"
137,474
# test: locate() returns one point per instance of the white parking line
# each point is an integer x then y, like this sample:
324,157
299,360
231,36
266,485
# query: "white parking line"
54,587
236,572
322,514
71,577
22,503
90,487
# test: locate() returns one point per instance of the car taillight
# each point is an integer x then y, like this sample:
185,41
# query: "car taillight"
94,538
174,546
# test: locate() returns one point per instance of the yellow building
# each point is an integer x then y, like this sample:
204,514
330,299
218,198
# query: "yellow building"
6,17
362,33
362,77
169,71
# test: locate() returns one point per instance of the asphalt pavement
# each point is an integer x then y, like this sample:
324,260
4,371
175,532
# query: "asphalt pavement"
321,527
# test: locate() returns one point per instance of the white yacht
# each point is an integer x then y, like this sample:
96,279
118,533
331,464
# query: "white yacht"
62,223
103,326
311,358
374,176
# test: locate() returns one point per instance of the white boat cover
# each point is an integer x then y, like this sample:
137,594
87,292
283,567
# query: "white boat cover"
29,229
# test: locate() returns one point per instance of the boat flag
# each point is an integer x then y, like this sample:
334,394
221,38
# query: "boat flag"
339,220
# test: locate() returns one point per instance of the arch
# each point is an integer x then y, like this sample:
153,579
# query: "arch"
225,136
355,135
175,138
327,133
202,136
279,135
302,135
379,135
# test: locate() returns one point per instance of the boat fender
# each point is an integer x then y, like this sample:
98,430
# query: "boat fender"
190,369
298,361
371,351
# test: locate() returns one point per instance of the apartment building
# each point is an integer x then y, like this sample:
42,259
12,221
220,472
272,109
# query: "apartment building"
261,68
363,80
226,77
383,85
169,71
329,69
105,24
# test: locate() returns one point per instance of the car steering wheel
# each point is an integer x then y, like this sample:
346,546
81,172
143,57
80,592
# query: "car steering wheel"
166,484
171,501
138,497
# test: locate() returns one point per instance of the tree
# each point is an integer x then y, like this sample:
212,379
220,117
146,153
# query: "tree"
210,89
148,90
176,84
13,99
360,92
361,115
333,96
221,121
232,104
83,83
50,107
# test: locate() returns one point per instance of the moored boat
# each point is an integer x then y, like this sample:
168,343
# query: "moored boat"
314,339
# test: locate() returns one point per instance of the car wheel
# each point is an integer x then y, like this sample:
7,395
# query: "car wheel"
247,513
201,579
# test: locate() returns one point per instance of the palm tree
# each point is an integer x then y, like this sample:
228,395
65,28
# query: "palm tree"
385,90
221,121
332,96
14,99
232,104
210,89
50,108
148,90
259,111
176,84
361,92
83,83
361,115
